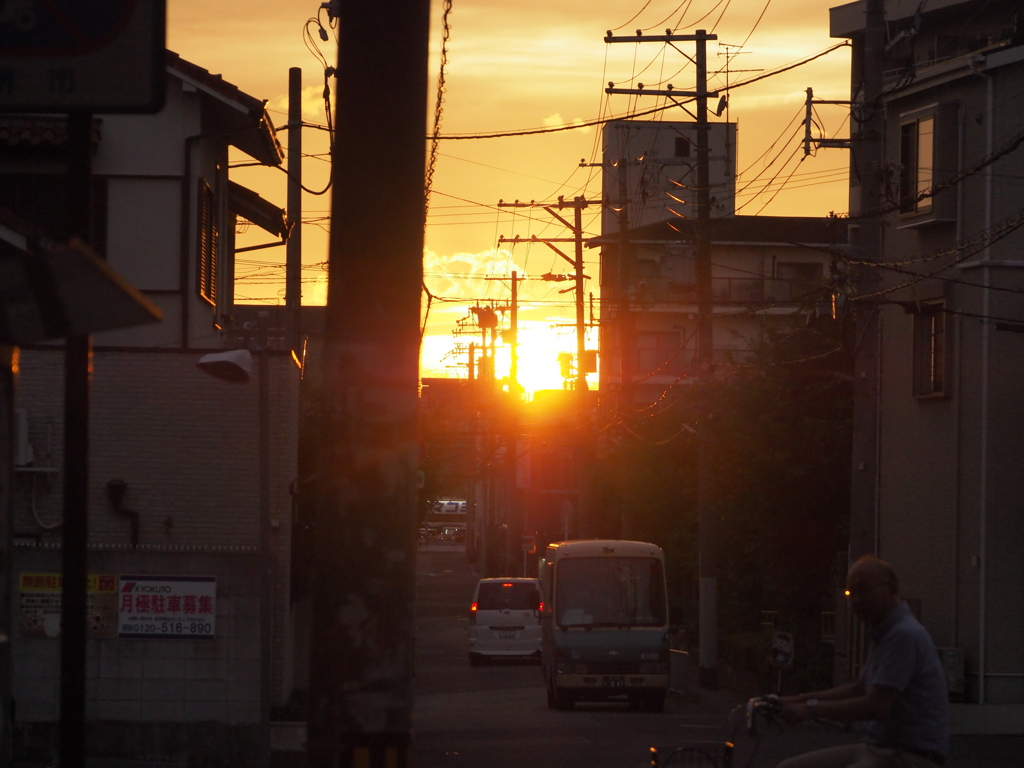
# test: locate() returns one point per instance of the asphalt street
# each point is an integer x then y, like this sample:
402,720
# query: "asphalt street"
495,717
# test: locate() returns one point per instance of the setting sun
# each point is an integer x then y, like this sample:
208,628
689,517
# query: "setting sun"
538,366
539,348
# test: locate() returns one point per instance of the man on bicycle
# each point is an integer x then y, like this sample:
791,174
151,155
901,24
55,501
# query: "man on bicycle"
901,694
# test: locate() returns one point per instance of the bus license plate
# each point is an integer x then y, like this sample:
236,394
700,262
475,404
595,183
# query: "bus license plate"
613,681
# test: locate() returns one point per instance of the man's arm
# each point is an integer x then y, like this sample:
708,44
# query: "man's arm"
845,703
840,692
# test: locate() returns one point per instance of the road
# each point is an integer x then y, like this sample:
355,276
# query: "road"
496,716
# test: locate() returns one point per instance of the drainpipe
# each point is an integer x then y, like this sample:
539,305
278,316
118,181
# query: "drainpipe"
116,489
977,67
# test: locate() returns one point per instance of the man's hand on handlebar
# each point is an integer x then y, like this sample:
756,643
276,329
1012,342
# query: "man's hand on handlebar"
766,707
794,710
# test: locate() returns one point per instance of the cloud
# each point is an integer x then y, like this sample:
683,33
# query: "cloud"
556,120
312,99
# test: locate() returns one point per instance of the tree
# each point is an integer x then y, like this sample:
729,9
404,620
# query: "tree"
781,433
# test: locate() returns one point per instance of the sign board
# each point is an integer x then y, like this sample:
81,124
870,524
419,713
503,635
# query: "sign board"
40,605
68,55
782,650
167,606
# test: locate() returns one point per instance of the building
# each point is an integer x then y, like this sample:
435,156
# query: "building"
175,668
766,271
938,465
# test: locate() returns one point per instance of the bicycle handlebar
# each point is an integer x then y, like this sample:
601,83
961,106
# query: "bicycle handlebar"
767,707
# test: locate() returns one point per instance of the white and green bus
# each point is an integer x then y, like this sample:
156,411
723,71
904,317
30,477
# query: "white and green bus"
605,623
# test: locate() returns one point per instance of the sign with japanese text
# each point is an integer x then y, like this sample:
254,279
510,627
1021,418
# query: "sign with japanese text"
167,606
40,605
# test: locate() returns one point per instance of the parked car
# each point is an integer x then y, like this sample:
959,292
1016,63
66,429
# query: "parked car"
504,620
452,533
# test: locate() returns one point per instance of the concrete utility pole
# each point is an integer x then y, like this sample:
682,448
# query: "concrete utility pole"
361,654
707,518
513,372
866,246
576,227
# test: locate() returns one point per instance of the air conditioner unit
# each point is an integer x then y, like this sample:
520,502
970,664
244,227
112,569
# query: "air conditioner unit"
23,453
953,664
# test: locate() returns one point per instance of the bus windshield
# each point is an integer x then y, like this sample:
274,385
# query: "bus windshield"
610,592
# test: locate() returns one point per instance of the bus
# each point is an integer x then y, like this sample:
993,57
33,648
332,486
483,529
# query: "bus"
604,623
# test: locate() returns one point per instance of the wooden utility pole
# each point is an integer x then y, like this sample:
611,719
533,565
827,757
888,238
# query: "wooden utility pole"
707,518
361,645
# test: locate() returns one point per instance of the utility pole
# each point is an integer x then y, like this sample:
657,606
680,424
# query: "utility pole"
513,372
866,246
808,110
293,249
576,227
361,640
707,518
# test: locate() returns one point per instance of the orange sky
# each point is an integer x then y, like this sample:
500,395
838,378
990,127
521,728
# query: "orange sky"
523,65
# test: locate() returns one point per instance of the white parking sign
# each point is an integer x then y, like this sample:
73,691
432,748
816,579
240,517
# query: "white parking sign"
167,606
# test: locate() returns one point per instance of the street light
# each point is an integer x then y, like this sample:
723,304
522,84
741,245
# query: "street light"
235,366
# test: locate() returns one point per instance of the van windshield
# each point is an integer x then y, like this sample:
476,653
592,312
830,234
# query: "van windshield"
610,591
510,595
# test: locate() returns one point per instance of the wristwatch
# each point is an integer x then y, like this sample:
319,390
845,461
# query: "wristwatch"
812,707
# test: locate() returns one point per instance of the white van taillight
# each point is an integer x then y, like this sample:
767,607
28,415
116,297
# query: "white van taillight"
540,606
472,613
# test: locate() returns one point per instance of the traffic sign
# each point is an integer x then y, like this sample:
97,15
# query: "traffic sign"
69,55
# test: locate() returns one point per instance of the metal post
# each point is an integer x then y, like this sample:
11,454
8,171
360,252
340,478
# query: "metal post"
75,531
266,558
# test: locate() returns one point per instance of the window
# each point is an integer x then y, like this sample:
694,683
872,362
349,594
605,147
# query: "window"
614,591
208,242
659,351
930,350
917,164
508,596
682,146
795,280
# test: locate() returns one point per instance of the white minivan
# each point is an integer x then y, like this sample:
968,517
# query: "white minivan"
504,620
